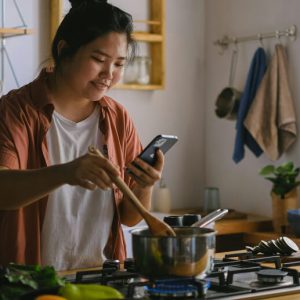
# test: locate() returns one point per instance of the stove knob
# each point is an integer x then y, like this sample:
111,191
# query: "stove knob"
111,264
129,265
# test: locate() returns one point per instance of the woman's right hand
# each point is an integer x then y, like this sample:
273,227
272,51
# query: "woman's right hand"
91,171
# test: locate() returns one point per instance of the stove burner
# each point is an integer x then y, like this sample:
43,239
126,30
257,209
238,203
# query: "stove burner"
178,288
271,276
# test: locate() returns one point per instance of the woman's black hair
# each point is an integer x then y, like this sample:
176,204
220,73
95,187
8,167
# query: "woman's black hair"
88,20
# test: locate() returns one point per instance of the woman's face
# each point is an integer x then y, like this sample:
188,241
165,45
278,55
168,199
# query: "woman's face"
97,66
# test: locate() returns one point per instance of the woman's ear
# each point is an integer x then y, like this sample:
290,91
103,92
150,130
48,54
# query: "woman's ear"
61,46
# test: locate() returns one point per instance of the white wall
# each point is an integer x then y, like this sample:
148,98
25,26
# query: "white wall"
240,185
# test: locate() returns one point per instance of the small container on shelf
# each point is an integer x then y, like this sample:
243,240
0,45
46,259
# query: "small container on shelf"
138,71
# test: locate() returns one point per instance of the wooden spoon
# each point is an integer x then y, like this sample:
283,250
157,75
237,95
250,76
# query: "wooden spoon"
156,226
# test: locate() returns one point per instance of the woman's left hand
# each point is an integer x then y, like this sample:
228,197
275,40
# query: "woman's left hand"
147,175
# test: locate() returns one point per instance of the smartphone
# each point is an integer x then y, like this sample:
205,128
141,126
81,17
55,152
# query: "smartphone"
162,142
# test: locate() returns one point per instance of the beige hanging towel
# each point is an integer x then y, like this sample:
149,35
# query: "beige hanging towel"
271,119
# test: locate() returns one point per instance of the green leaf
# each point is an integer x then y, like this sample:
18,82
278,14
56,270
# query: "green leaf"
289,166
267,170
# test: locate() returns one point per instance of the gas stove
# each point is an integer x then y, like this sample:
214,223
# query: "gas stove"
235,276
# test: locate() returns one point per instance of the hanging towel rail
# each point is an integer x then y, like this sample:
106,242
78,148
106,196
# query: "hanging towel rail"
225,41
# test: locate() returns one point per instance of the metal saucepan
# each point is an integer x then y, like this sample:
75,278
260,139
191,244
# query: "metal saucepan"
189,253
228,100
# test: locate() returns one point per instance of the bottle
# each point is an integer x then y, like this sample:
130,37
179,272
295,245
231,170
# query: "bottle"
162,198
144,63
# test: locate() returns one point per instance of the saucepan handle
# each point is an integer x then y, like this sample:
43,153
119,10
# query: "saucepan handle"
211,217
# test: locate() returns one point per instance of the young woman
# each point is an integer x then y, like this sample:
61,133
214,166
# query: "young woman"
58,205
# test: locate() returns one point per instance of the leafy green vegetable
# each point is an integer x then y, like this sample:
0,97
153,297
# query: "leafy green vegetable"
17,280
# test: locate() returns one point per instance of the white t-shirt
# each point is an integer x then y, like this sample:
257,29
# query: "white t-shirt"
78,221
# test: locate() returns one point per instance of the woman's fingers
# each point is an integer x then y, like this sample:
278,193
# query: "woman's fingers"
143,173
160,159
105,164
101,175
90,171
87,185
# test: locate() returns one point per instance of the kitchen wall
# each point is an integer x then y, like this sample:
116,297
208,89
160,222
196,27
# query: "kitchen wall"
195,74
240,185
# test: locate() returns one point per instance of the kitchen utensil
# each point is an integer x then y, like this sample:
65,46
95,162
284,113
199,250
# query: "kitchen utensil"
190,253
156,226
227,102
213,216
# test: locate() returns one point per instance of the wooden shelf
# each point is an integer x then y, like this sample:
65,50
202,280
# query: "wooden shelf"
10,32
156,39
148,37
145,87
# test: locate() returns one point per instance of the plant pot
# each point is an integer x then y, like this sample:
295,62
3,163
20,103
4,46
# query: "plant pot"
280,206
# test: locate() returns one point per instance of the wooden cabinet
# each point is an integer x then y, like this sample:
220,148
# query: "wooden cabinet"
154,37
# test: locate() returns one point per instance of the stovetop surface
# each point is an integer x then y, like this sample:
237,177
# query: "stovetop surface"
234,277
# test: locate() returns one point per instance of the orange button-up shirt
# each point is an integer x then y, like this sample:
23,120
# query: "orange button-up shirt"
25,117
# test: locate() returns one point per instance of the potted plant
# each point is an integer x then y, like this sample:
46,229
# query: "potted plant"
284,191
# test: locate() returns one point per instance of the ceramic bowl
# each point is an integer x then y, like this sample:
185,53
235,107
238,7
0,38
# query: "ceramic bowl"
294,220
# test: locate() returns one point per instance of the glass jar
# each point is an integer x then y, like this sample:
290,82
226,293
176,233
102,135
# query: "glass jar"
138,71
131,72
144,65
211,199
